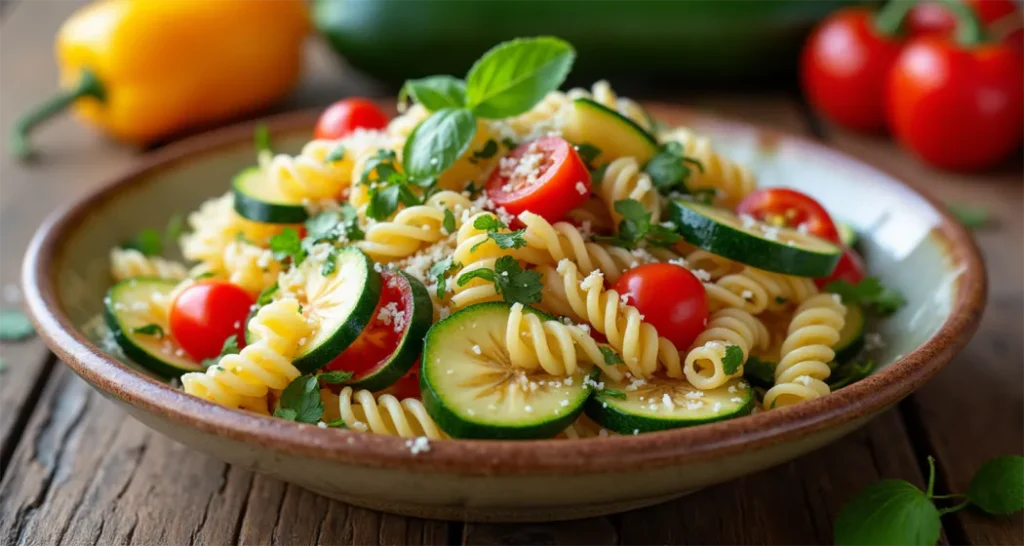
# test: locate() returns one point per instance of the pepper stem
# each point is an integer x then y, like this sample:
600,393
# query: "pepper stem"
889,20
969,31
88,86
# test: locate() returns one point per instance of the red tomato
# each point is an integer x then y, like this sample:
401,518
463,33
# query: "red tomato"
206,314
935,18
347,115
850,269
550,189
408,386
378,340
957,107
789,208
844,65
670,298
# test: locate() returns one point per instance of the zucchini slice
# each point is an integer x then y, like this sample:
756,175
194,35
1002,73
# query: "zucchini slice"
393,341
760,245
342,303
851,337
471,390
632,407
611,132
127,308
257,200
847,235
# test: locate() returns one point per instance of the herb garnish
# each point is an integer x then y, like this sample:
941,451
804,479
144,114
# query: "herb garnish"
439,270
505,240
288,245
150,330
733,359
869,293
636,229
513,283
760,373
300,400
849,373
669,169
230,347
610,356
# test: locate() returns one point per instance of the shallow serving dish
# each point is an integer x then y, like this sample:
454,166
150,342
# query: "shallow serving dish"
909,241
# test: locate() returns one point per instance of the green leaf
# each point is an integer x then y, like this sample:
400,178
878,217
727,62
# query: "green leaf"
437,142
302,396
669,169
760,373
230,347
287,245
437,92
147,241
15,325
888,512
849,373
610,356
261,138
614,394
439,270
449,222
266,295
285,413
482,273
998,486
337,154
588,153
636,228
514,284
337,423
971,216
870,293
733,359
149,330
490,148
509,143
514,76
489,223
334,377
512,239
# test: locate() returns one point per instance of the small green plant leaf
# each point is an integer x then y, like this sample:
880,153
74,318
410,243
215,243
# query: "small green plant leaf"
888,512
998,486
732,360
437,92
301,400
514,76
437,142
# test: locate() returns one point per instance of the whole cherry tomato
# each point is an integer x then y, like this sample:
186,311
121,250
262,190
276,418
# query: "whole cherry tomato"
958,105
850,269
204,315
845,61
670,298
789,208
347,115
545,176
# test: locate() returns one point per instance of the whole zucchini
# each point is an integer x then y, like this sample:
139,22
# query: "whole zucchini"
698,41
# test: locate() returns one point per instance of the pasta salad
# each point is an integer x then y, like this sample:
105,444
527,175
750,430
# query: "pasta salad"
502,260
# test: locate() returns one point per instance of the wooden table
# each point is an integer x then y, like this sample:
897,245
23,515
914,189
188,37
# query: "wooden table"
77,470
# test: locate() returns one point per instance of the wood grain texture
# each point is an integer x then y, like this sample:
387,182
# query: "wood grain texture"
973,410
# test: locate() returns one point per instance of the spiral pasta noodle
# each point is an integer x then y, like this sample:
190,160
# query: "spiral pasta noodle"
731,180
601,92
310,175
755,290
806,352
623,179
637,341
126,263
241,380
384,414
251,267
703,365
413,227
545,116
714,265
551,345
215,225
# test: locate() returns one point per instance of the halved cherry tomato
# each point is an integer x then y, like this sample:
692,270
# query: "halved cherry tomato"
204,315
347,115
850,269
670,298
545,176
379,340
789,208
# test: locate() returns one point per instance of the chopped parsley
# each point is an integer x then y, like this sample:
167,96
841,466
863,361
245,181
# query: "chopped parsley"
488,151
504,240
300,401
870,293
337,154
439,270
732,360
388,185
760,373
513,283
610,356
150,330
230,347
449,222
286,245
849,373
637,230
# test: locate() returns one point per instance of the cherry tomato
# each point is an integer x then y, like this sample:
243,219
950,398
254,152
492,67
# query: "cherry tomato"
670,298
957,107
789,208
556,180
206,314
850,269
845,62
935,19
379,340
347,115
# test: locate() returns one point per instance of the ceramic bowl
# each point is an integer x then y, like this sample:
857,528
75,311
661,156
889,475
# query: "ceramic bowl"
909,241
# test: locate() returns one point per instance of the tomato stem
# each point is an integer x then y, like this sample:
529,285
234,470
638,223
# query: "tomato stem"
969,30
889,20
88,86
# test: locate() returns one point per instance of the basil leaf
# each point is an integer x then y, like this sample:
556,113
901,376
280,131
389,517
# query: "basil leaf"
437,92
514,76
998,486
300,401
888,512
733,359
437,142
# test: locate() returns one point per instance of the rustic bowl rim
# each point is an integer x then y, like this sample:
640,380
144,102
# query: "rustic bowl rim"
477,457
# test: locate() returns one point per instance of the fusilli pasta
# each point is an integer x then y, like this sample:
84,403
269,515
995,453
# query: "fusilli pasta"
126,263
413,227
383,414
623,179
806,352
551,345
755,290
703,366
731,180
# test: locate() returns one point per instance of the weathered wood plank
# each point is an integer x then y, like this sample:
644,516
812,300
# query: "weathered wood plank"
974,409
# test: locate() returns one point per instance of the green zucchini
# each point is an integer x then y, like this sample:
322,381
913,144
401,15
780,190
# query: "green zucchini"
471,390
127,309
612,133
847,234
653,404
342,303
259,201
754,243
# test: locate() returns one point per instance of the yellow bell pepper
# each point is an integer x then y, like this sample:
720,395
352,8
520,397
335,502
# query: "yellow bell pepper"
145,69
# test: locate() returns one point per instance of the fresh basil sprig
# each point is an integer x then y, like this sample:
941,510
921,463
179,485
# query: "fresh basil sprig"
514,76
435,92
